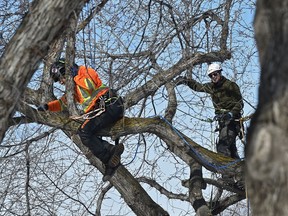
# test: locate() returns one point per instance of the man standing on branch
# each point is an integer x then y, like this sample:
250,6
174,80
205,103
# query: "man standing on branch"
228,105
101,107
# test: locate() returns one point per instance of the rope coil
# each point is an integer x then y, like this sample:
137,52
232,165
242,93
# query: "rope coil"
101,109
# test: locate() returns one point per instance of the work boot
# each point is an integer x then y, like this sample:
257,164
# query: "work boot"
115,155
113,162
109,172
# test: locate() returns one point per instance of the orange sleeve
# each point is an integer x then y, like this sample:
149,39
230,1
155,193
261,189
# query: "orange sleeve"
57,105
54,106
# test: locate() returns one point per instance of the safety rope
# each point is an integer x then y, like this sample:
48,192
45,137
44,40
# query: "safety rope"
191,147
134,157
242,131
98,111
216,167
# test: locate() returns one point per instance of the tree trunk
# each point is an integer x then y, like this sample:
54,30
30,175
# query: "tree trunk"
267,148
44,22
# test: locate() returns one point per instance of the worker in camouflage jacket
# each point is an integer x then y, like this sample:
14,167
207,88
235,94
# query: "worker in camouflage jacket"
228,105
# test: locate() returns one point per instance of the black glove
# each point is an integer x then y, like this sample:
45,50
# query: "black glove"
223,117
227,116
43,107
218,117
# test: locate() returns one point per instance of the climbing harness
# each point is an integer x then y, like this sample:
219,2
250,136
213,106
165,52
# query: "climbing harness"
99,110
242,131
86,116
95,112
241,120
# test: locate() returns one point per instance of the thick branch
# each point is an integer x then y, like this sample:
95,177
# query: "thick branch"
225,203
130,189
172,102
28,46
177,142
196,184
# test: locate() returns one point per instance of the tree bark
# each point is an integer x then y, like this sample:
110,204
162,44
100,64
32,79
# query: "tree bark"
196,184
267,148
130,189
178,143
181,145
44,22
39,30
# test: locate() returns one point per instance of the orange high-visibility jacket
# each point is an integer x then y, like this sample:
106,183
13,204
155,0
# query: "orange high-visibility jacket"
88,89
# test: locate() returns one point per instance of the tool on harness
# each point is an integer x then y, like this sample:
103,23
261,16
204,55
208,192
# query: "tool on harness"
97,111
241,123
225,119
103,101
240,127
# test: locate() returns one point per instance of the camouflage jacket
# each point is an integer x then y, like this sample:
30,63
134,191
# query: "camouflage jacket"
226,95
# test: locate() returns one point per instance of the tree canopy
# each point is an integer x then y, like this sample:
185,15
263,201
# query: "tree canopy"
139,48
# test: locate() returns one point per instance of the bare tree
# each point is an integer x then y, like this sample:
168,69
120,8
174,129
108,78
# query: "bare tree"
139,48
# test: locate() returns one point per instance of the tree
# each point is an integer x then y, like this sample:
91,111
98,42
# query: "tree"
267,141
139,49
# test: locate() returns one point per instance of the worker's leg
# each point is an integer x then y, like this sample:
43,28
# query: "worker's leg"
101,148
227,140
232,134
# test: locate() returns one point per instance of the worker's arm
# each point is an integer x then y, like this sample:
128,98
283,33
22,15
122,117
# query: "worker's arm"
55,105
193,84
238,100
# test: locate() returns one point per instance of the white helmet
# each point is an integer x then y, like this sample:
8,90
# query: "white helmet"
213,67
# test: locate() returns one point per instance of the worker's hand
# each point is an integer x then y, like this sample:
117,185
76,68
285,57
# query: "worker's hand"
223,117
218,117
227,116
43,107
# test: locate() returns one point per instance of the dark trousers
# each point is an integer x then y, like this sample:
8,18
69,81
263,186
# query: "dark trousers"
99,147
226,145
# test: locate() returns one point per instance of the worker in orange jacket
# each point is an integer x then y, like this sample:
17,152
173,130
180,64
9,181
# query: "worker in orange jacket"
101,106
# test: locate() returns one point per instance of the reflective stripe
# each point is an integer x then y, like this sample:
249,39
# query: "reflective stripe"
90,84
90,96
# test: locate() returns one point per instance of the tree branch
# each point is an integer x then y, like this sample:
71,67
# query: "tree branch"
27,47
163,190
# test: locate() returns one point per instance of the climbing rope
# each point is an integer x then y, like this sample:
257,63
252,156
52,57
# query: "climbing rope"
134,157
216,167
196,152
87,115
242,131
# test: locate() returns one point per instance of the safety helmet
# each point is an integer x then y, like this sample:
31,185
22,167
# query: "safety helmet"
213,68
57,69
